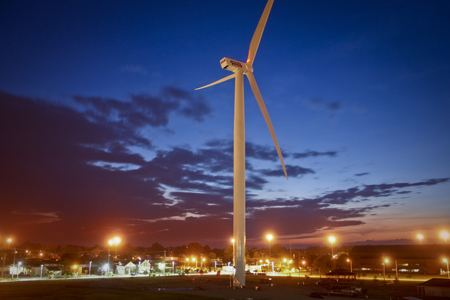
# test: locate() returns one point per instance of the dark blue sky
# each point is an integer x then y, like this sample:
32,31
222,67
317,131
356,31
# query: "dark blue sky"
104,134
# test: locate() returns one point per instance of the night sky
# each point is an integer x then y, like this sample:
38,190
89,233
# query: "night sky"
103,134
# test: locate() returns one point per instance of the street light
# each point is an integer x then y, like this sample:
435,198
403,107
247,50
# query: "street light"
420,237
9,240
444,235
386,261
446,261
270,237
332,239
351,265
116,241
90,264
42,266
187,259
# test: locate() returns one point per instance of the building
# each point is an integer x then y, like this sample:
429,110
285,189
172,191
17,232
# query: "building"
401,259
435,287
129,268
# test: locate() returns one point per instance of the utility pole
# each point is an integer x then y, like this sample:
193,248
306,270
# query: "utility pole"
164,262
4,259
290,247
14,262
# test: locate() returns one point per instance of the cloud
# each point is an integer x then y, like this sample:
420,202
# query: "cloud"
75,168
36,217
314,154
129,68
145,110
320,104
362,174
293,171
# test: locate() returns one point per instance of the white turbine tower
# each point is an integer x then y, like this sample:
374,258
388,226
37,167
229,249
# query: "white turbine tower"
239,69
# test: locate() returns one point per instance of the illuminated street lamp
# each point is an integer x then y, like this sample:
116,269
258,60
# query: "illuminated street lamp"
9,242
288,263
444,235
203,260
90,264
270,237
187,259
42,266
332,239
446,261
351,265
75,269
386,261
116,241
193,259
420,237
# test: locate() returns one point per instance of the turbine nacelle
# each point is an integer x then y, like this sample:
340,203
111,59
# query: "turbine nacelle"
234,65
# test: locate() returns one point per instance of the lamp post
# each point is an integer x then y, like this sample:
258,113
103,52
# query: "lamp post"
14,262
351,265
446,261
420,237
9,240
116,241
384,268
187,259
90,264
396,270
332,239
269,237
110,242
42,266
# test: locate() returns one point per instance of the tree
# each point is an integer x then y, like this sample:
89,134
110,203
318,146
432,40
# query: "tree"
218,252
228,254
341,261
194,249
206,249
157,247
323,264
278,251
255,253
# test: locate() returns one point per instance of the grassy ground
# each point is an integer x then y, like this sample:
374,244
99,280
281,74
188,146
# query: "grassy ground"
95,289
203,288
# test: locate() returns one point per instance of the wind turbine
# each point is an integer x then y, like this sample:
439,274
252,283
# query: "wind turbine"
239,69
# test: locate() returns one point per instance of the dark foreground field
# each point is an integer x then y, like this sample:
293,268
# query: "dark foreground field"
188,287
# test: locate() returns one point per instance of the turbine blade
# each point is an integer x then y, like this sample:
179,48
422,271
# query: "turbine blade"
263,108
217,82
254,44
